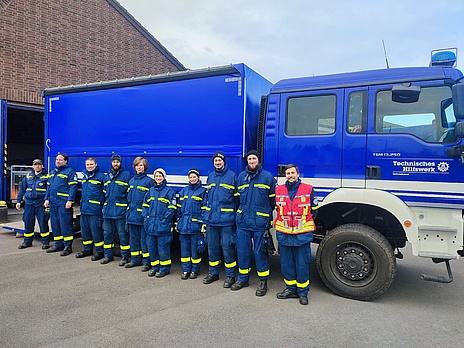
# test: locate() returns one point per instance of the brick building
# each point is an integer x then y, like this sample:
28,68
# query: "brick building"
50,43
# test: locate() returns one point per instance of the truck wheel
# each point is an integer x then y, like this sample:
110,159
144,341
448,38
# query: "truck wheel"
356,261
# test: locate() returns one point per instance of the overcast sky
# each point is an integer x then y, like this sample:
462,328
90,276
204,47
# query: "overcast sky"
294,38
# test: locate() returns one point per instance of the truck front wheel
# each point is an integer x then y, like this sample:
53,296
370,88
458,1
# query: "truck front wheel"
356,261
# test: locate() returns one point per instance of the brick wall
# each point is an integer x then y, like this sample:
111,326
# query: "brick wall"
50,43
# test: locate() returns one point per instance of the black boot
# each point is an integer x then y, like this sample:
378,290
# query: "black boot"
67,251
97,256
262,288
55,249
84,253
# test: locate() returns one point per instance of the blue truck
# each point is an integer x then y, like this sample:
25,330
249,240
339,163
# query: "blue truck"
383,149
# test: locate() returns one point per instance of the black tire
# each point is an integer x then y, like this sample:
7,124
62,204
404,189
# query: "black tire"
355,261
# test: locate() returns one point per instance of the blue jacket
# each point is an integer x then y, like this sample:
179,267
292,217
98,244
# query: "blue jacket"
158,209
138,187
33,188
92,192
62,185
115,188
256,190
190,208
222,197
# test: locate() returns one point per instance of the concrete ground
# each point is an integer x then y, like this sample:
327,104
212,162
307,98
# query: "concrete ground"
52,301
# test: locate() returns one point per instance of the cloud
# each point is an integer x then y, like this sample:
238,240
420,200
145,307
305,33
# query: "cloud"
281,39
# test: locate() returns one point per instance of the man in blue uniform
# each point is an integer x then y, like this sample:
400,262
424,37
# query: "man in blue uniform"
256,189
61,191
91,210
32,192
220,218
116,185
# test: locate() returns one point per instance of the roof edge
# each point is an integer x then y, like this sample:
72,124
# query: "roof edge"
131,19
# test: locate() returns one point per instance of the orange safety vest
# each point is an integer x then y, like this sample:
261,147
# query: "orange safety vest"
295,216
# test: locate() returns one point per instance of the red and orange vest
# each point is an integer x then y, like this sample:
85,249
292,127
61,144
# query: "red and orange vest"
295,216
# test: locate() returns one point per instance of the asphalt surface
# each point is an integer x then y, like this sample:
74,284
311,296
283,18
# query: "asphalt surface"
53,301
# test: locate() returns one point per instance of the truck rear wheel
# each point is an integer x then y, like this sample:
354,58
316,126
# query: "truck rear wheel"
356,261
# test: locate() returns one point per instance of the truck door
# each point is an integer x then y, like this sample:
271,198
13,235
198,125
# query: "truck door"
310,135
355,138
407,145
3,125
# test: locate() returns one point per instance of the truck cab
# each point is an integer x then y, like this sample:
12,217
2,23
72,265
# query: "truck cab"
382,149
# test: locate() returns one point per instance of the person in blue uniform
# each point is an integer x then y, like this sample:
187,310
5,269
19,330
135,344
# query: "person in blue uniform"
296,210
158,209
91,211
220,218
190,210
32,193
115,187
138,187
61,192
256,189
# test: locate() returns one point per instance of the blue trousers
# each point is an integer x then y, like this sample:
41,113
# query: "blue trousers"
110,227
221,238
244,249
190,258
138,245
92,232
295,267
61,221
159,248
32,212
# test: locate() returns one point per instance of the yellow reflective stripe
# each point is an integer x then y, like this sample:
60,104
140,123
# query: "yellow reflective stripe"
185,259
107,182
239,211
214,263
45,234
197,198
272,195
262,214
63,194
72,183
146,205
243,186
136,253
68,238
41,189
263,274
121,204
87,242
227,209
289,282
28,189
125,247
58,238
108,246
244,271
206,208
145,254
164,200
227,186
142,188
139,210
64,176
302,285
172,207
165,263
94,202
99,244
196,261
210,185
94,181
155,263
263,186
31,234
230,265
121,183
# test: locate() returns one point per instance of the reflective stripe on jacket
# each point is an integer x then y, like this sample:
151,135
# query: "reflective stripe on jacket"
115,188
92,192
190,208
62,185
138,187
33,188
158,209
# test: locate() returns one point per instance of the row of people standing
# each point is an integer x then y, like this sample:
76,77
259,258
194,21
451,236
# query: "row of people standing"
238,213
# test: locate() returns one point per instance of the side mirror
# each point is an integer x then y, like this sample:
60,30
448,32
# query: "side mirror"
405,93
459,129
458,100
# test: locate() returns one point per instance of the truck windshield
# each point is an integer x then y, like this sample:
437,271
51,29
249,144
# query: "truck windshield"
431,118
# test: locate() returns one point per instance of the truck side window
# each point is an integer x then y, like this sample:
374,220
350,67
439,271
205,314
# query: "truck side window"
357,112
431,118
311,115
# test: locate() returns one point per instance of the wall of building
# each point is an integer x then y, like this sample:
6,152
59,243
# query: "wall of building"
49,43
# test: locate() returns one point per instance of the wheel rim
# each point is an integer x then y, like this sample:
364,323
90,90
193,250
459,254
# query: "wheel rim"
353,264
